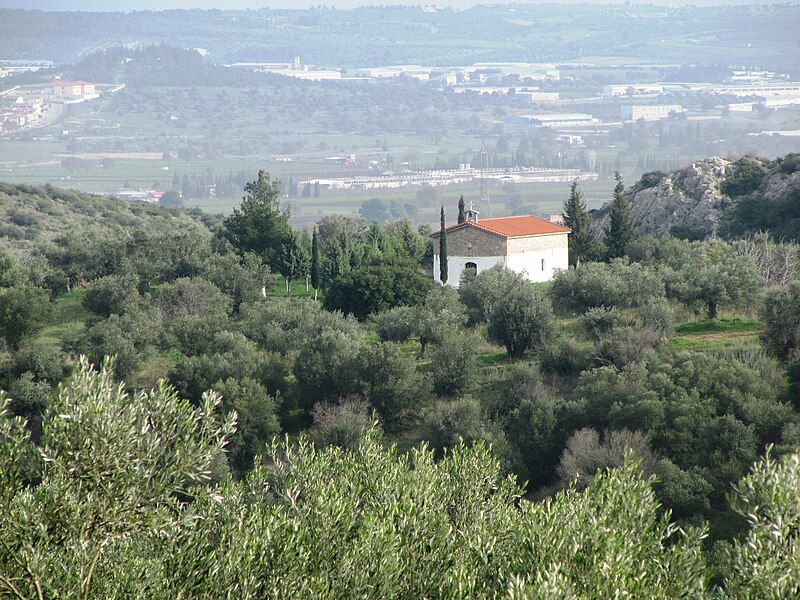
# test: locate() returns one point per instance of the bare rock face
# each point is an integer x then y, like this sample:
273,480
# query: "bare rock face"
688,198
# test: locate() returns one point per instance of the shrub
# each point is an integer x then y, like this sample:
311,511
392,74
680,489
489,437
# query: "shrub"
600,320
453,363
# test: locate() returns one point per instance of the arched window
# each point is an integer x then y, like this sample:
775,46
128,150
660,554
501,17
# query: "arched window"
470,269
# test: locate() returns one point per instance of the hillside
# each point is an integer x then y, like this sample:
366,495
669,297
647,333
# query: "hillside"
717,196
33,215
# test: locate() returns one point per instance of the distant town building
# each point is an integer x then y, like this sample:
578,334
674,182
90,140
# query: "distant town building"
632,89
528,245
70,91
740,106
553,120
569,139
538,96
648,112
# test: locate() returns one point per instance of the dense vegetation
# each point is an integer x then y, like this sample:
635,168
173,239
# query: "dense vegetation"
122,506
653,363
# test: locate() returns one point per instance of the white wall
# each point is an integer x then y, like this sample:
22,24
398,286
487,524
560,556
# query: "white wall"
455,266
528,264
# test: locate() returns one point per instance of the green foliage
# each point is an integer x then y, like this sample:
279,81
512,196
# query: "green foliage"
256,420
109,468
615,284
745,178
232,357
43,361
600,320
522,319
323,367
171,199
480,293
258,225
368,520
340,424
649,180
452,528
583,245
293,259
620,231
386,378
441,313
718,275
453,363
443,259
766,563
378,285
587,454
29,397
112,294
316,266
23,310
451,423
282,325
396,324
780,312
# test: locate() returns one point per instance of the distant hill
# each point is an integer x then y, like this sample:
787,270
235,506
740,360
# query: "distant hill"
386,35
31,215
717,196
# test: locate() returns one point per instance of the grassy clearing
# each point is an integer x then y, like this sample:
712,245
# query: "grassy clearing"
701,335
277,288
67,320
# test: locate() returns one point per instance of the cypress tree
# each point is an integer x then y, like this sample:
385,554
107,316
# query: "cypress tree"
443,252
620,231
462,215
315,263
582,242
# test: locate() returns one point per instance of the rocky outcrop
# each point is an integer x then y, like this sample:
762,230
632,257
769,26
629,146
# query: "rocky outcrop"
689,199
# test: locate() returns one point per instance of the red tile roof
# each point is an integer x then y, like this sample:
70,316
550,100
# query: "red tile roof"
519,226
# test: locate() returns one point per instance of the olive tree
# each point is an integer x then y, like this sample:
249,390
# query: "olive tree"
522,319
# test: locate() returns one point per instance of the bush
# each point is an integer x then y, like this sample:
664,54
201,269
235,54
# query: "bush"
565,358
600,320
284,325
43,361
587,453
377,285
256,421
453,363
112,294
341,424
659,317
618,283
480,293
522,319
396,324
745,178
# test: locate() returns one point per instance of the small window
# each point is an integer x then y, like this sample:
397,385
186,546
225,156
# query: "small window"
469,250
470,269
542,264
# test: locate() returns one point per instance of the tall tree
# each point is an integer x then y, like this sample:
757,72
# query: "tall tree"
583,245
620,231
443,251
258,225
316,273
462,215
293,260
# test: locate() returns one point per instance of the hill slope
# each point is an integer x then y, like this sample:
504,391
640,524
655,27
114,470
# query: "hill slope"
33,215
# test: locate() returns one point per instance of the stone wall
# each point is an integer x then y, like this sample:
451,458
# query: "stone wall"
471,241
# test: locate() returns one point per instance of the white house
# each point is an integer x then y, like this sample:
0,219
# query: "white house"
525,244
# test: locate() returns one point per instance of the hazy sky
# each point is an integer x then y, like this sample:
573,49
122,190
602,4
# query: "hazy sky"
126,5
